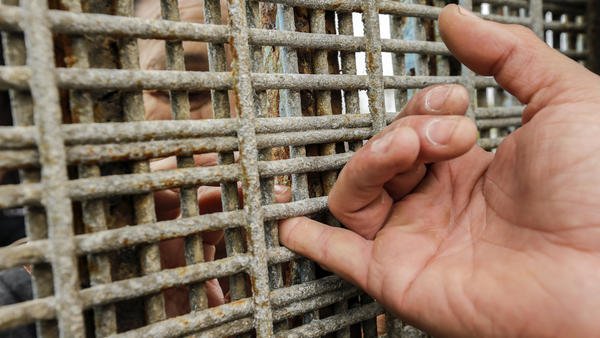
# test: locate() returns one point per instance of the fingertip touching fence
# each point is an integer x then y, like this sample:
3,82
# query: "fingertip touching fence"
128,118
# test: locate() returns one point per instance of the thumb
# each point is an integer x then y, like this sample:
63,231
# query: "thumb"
521,63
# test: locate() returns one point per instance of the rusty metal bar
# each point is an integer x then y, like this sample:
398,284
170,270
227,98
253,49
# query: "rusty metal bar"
143,203
35,217
47,117
263,317
266,38
374,68
119,238
94,218
333,323
188,198
69,23
234,242
127,80
536,13
91,188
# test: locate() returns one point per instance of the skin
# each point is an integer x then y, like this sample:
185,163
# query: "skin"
475,243
157,107
167,203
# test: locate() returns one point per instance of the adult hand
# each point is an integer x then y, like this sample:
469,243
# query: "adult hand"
167,206
477,244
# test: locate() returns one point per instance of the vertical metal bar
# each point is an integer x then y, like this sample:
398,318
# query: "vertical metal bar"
94,217
290,105
468,77
289,102
35,217
180,109
422,64
348,59
321,66
234,242
324,108
442,61
263,62
351,100
48,118
143,204
307,99
248,160
536,13
374,69
397,25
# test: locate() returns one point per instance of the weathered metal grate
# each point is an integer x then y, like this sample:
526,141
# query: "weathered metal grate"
82,148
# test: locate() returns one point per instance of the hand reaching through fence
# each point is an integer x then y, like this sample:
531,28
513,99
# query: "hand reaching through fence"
172,251
461,242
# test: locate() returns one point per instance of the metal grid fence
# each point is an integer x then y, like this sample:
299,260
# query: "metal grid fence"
297,84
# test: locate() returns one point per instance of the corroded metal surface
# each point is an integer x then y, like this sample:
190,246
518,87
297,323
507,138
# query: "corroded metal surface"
296,86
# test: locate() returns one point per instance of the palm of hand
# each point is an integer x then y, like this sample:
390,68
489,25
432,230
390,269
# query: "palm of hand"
485,237
483,244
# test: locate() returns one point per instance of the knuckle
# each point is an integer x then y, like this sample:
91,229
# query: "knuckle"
287,236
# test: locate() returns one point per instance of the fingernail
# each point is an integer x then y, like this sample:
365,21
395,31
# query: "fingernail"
434,100
280,189
382,144
439,131
466,12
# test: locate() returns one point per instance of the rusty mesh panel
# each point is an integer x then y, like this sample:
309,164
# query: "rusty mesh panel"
287,90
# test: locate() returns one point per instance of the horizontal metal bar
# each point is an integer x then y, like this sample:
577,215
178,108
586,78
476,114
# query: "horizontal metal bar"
130,184
23,313
499,123
15,195
123,79
115,239
570,27
509,3
342,6
294,309
285,298
120,26
106,153
297,208
194,321
300,307
281,254
129,80
417,82
566,8
490,143
230,329
413,10
496,112
301,165
27,253
100,24
44,308
320,327
157,149
104,186
481,82
154,282
98,133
